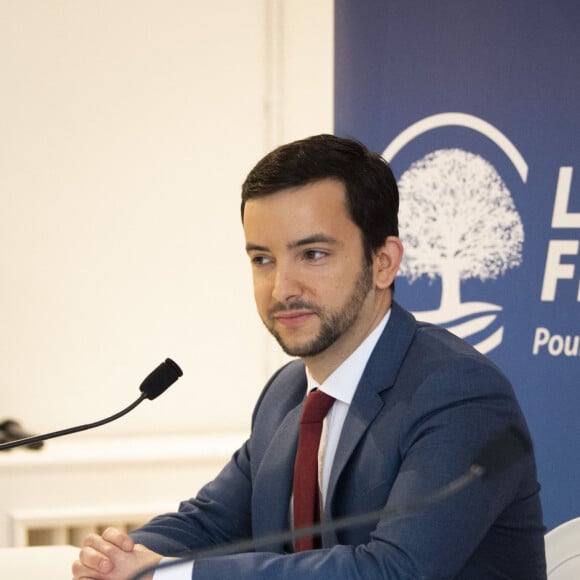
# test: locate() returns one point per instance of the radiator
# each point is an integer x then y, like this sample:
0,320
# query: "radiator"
62,527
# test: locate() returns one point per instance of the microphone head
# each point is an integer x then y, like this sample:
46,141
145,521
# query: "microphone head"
501,452
160,379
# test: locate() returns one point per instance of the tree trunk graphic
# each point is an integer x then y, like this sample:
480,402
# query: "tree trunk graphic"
450,288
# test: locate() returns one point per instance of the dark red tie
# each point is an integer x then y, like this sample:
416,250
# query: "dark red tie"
306,489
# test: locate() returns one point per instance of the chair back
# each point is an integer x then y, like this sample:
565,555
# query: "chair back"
563,551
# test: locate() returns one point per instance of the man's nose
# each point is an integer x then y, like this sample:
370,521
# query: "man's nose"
286,284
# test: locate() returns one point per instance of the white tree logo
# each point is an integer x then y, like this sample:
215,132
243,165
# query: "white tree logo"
458,221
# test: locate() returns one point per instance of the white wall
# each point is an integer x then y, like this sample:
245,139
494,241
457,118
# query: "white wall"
126,129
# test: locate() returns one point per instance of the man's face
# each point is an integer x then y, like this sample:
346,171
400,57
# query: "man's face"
312,285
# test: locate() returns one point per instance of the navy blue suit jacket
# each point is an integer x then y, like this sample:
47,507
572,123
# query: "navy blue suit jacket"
426,403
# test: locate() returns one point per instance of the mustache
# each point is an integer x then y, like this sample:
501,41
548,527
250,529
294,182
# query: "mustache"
297,305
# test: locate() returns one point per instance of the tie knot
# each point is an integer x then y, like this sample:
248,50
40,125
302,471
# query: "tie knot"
316,407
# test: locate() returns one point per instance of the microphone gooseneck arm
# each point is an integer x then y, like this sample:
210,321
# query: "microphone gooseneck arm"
154,384
77,429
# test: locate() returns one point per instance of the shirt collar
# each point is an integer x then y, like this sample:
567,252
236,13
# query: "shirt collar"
342,383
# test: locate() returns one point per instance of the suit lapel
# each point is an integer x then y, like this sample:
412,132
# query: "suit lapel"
380,374
273,481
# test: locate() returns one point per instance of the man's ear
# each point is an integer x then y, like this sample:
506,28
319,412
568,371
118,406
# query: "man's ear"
386,261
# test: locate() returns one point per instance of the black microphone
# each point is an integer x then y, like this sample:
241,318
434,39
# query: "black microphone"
503,451
154,384
160,379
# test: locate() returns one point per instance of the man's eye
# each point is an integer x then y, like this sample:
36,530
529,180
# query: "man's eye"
314,254
260,260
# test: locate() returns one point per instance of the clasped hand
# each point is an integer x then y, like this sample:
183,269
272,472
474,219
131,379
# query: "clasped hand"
112,556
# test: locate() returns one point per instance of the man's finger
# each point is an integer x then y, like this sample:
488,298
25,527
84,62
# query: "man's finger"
119,539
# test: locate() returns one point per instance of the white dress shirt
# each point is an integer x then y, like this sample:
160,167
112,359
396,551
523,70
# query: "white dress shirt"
341,385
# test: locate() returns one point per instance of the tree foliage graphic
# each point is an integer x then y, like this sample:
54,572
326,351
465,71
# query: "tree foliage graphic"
457,221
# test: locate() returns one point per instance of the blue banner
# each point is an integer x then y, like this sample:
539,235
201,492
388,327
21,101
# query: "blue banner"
476,106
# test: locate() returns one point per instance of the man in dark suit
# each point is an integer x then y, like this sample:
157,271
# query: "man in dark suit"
412,405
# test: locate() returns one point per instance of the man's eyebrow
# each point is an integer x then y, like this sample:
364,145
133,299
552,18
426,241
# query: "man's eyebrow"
256,248
313,239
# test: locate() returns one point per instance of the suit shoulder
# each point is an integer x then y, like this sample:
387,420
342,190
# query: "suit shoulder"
285,389
436,351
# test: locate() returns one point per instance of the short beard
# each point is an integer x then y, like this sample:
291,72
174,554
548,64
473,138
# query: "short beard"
332,325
